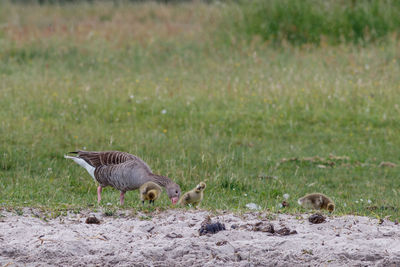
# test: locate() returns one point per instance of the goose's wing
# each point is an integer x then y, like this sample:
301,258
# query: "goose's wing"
105,158
128,175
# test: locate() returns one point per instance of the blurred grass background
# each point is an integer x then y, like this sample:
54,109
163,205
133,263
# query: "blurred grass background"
222,92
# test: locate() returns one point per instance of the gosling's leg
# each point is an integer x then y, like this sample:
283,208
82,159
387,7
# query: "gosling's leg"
99,189
121,198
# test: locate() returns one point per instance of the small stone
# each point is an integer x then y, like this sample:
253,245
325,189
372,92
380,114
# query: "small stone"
174,235
266,228
286,231
238,257
221,243
92,220
316,218
211,228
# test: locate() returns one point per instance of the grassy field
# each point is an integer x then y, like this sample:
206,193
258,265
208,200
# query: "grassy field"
162,82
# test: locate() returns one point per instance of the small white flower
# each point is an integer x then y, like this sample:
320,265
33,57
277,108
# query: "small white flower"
131,96
356,201
84,148
108,204
286,196
245,194
361,199
344,205
369,201
164,111
49,169
280,205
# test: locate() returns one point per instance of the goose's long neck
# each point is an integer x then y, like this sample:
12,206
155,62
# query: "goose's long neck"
160,180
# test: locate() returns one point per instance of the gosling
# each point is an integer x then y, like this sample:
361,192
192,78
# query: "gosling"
317,201
194,196
149,191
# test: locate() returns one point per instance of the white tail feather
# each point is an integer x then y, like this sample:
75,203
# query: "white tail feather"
84,164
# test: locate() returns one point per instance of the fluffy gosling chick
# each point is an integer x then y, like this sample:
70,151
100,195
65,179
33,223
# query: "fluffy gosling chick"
194,196
317,201
149,191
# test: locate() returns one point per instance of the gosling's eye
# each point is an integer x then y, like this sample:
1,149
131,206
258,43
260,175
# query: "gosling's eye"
176,192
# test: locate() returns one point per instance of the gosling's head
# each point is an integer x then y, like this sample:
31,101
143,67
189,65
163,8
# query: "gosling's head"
300,201
200,187
331,207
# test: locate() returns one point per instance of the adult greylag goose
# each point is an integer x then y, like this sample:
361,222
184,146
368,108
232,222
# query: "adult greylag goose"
122,171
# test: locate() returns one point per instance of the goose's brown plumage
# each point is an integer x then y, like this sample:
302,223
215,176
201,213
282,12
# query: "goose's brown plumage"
122,171
103,158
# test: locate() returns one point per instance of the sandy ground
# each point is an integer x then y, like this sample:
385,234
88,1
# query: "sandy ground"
171,238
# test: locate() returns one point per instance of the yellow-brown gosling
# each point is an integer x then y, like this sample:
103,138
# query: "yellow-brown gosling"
149,191
194,196
317,201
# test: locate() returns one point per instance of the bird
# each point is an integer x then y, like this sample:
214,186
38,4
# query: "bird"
317,201
194,196
122,171
149,191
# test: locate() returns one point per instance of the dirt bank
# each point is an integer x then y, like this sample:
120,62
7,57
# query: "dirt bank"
171,238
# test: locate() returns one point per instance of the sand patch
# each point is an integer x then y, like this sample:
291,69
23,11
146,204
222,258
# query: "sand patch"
171,238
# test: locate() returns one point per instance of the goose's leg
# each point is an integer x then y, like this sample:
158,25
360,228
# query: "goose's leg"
121,198
99,189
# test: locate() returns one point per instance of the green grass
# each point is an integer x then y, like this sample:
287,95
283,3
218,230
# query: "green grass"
72,80
314,21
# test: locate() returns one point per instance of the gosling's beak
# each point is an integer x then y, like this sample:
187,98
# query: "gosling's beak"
174,200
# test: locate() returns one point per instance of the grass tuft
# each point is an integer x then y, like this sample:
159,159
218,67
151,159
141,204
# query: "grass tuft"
311,21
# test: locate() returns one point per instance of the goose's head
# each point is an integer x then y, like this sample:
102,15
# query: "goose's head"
173,192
